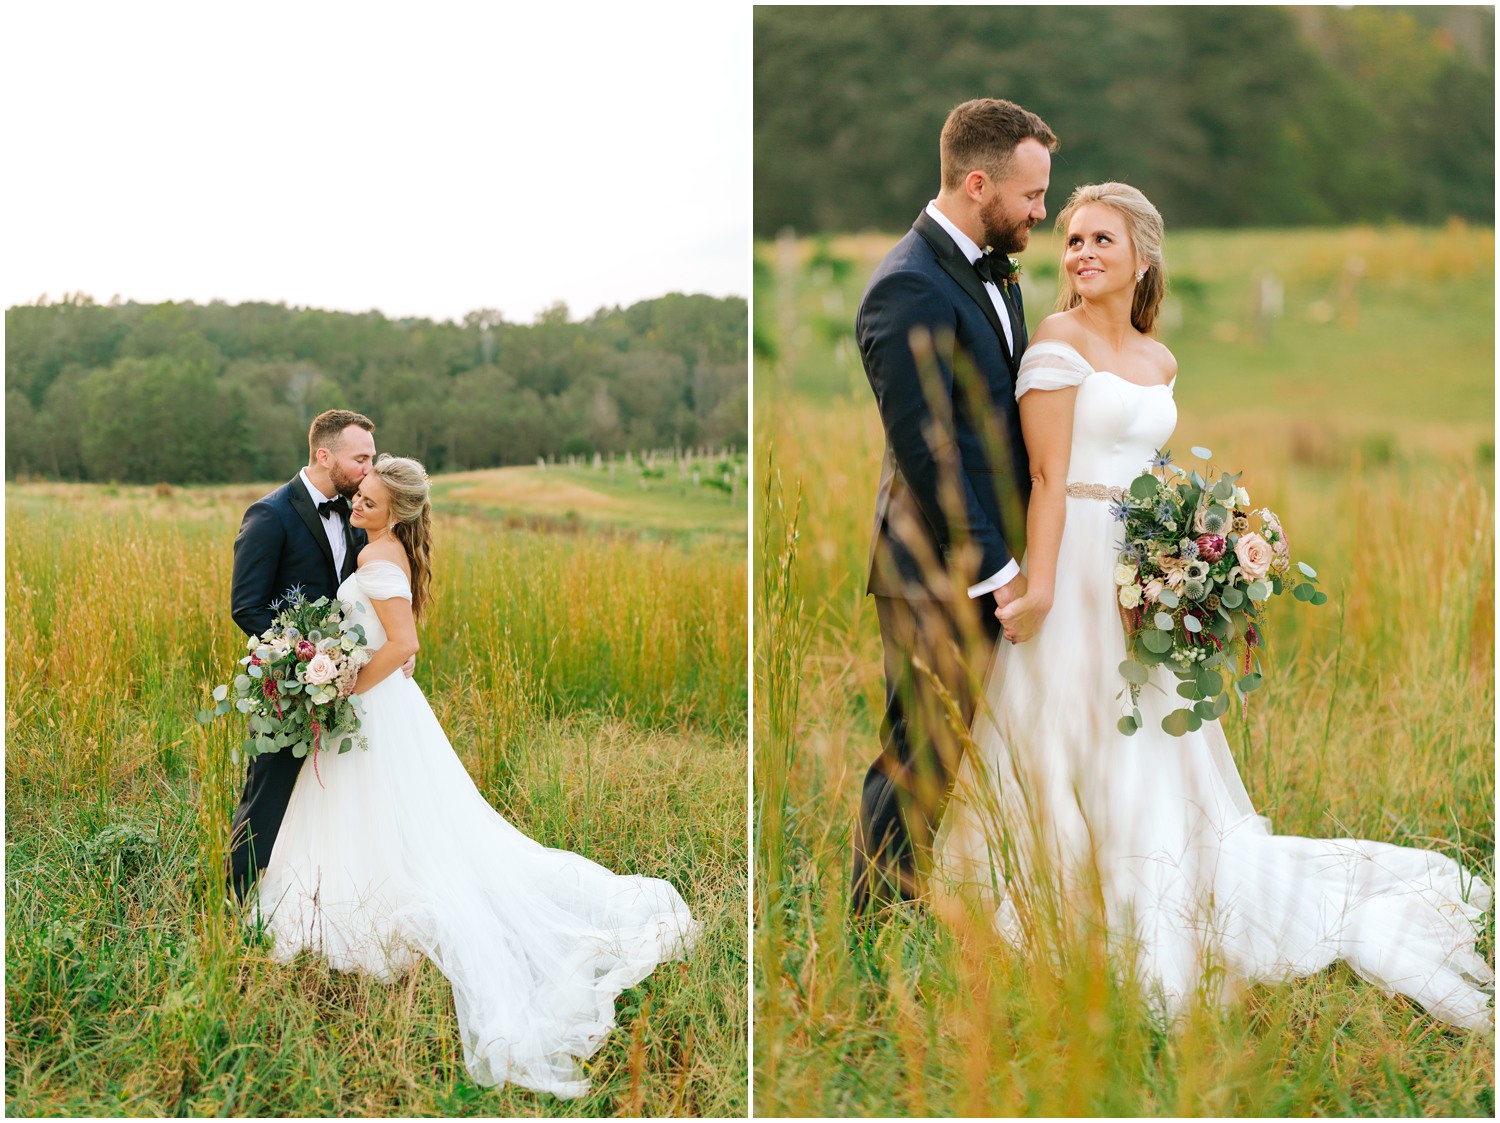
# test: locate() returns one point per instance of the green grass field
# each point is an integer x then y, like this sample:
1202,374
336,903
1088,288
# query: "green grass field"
593,682
1365,418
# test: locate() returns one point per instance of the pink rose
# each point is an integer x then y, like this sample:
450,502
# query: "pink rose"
321,669
305,650
1255,555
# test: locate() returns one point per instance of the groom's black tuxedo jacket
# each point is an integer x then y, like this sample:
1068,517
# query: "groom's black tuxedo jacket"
281,543
927,282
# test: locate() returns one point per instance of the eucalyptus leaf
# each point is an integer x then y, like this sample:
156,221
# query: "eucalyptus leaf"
1204,710
220,693
221,709
1201,453
1163,621
1143,487
265,745
1249,682
1135,673
248,747
244,705
1209,682
1223,491
1128,725
1221,706
1168,598
1177,722
1157,642
253,671
1307,570
1198,482
1191,624
1319,597
205,716
1303,592
1231,597
1258,591
1188,689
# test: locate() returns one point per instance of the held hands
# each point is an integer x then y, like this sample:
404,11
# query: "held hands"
1021,610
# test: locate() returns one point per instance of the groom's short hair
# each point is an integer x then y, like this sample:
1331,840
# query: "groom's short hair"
983,134
328,429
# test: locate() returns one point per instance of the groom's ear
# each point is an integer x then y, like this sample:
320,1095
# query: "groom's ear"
976,183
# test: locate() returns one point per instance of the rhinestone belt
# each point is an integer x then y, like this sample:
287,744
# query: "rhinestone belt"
1095,491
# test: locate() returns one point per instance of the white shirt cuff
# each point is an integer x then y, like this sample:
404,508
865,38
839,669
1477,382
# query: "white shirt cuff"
1011,571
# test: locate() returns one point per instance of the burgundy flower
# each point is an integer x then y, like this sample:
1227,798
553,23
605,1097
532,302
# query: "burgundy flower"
305,650
1211,547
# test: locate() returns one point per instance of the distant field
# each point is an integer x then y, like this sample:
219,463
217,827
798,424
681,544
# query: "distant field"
1385,336
1367,422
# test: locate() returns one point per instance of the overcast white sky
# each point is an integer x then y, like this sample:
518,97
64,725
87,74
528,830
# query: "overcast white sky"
418,159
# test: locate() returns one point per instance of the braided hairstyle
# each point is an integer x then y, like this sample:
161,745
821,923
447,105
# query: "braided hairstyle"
411,519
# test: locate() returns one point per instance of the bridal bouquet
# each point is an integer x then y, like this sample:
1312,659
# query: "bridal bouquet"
297,682
1197,567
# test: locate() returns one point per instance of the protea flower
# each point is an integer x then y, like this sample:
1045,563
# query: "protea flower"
1211,547
305,650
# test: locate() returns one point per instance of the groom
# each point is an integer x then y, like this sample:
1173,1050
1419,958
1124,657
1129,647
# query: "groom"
300,536
941,330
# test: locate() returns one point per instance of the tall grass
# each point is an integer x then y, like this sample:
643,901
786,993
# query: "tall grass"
595,689
1377,722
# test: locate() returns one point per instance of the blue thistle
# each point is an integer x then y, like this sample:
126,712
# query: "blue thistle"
1163,512
1117,510
1162,458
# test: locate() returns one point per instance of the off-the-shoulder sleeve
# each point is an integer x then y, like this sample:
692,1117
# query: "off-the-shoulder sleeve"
1051,365
382,580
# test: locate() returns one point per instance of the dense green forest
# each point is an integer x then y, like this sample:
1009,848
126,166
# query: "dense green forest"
218,392
1228,116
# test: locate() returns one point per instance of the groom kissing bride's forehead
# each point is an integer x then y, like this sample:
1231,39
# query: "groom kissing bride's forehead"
299,536
941,331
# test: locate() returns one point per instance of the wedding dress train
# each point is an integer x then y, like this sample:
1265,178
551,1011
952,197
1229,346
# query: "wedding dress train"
1160,828
396,854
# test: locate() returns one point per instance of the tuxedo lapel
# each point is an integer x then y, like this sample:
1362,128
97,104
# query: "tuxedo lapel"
1013,292
302,503
957,266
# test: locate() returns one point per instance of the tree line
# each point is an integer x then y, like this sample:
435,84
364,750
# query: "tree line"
184,393
1225,116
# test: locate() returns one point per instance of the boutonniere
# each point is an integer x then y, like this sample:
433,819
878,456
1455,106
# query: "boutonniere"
1012,269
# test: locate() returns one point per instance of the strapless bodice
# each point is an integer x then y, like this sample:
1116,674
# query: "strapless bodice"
1117,424
373,581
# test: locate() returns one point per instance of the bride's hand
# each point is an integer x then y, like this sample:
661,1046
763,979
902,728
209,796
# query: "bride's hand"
1022,617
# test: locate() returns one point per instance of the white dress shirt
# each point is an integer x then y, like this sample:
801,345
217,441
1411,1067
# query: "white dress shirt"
972,251
333,526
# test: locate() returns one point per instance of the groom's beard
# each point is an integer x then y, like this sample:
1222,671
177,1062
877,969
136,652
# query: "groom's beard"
344,485
1005,238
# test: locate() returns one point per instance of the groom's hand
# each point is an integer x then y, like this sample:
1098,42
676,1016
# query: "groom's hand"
1014,589
409,667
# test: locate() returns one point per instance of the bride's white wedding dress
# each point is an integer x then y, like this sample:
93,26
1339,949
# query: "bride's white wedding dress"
1158,827
396,854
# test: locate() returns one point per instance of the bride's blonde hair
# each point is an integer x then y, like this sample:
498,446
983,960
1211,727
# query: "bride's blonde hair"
1144,225
406,483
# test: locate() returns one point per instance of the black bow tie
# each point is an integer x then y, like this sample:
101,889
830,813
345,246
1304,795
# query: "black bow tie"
340,504
994,268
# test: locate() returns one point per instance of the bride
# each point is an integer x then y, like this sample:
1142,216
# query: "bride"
396,854
1156,830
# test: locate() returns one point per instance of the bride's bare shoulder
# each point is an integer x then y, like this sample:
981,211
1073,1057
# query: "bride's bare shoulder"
1062,327
386,550
1161,357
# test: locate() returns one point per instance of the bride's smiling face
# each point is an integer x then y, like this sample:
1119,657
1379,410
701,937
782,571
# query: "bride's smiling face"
1097,254
370,510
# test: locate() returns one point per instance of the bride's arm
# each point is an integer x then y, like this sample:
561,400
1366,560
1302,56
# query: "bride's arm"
400,642
1047,425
